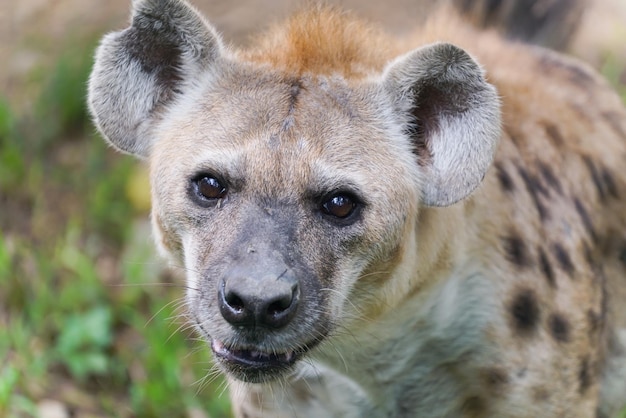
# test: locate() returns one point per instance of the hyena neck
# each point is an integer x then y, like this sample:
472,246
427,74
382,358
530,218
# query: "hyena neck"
434,247
441,323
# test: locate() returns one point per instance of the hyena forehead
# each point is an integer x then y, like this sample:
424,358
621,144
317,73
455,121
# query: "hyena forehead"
437,89
265,126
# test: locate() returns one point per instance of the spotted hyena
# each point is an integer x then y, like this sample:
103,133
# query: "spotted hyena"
381,227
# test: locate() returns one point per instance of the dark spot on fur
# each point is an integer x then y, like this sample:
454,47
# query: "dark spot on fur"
622,256
294,88
535,189
546,268
585,218
516,251
549,177
534,184
473,406
541,394
559,328
520,20
594,322
492,11
582,113
584,376
495,378
616,121
588,254
602,179
514,138
595,175
465,5
506,182
604,303
575,73
609,183
563,258
524,311
541,209
554,134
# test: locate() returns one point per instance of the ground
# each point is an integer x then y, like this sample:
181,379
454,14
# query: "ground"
89,317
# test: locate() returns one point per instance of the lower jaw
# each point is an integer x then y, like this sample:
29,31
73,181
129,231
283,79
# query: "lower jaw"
252,366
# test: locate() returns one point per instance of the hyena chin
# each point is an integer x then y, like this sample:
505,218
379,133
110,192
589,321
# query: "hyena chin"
377,227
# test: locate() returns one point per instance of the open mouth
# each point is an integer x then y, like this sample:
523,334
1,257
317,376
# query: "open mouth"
254,365
253,359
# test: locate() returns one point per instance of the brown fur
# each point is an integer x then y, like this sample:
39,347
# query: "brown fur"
324,41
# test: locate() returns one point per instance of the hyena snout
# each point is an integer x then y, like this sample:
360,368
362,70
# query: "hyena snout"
255,296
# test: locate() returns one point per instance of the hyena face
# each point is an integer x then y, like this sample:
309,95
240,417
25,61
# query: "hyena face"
280,191
276,221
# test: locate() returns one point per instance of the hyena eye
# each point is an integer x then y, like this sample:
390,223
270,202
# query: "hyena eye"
209,188
339,206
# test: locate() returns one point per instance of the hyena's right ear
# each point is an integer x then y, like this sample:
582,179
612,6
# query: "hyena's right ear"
139,71
453,118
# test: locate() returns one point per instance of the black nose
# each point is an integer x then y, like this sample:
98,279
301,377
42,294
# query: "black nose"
268,301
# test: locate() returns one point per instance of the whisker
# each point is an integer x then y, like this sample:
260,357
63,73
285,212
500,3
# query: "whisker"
160,310
344,298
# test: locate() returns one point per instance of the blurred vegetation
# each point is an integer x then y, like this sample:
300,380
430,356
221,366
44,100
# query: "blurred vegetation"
88,316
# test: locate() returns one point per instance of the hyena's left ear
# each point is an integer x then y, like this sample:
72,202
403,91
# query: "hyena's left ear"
139,71
453,118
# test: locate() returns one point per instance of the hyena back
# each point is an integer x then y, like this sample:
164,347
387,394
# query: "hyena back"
370,229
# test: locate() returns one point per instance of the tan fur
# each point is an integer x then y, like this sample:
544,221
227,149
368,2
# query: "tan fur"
508,303
324,41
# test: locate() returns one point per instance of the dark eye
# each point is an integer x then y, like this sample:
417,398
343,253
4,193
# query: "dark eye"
209,188
339,206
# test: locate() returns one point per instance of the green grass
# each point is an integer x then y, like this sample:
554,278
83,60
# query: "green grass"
86,312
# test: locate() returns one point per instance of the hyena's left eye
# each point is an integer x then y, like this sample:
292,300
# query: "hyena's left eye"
339,206
209,188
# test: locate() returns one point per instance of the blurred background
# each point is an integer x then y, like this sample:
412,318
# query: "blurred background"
89,316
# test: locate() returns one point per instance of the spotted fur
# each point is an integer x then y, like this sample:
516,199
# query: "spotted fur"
479,271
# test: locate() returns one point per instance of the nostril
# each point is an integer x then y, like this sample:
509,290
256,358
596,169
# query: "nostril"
282,309
280,306
285,302
233,307
234,302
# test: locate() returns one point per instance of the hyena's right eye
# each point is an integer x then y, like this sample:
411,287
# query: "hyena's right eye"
208,188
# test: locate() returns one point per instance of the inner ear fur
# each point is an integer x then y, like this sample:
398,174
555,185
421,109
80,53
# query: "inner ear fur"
139,71
453,118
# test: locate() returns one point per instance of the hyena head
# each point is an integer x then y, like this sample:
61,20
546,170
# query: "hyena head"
282,191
